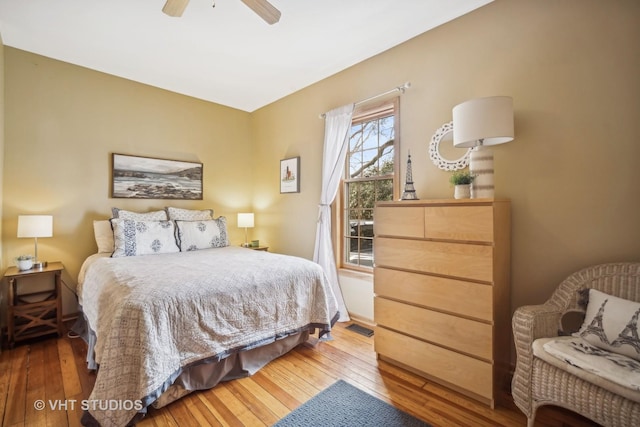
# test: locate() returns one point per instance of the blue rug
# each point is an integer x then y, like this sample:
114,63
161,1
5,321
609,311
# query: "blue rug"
343,405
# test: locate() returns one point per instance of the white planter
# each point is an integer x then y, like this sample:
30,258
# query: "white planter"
24,264
462,191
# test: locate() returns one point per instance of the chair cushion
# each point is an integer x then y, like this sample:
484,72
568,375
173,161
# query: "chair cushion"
616,373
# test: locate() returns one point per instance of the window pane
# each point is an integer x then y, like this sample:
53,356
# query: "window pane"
355,164
384,190
386,128
367,194
366,252
370,135
352,195
386,163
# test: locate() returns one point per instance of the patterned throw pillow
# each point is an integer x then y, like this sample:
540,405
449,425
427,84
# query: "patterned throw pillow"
189,214
133,238
139,216
611,323
194,235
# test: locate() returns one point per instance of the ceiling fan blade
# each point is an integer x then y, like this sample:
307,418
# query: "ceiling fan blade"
264,9
175,7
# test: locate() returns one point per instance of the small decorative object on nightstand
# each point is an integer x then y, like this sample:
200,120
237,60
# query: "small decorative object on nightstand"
33,314
24,262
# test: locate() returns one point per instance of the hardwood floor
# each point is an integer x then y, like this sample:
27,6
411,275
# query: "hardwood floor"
53,370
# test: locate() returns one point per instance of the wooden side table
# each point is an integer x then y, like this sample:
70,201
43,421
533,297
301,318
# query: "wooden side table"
37,313
260,248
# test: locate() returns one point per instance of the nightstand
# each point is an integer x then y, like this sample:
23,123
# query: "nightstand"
260,248
36,313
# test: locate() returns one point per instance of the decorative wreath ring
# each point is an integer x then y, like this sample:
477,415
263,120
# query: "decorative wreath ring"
436,157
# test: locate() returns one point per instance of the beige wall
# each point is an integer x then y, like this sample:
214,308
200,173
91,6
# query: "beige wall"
571,172
63,122
570,67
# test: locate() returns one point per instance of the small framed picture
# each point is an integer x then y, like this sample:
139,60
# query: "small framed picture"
290,175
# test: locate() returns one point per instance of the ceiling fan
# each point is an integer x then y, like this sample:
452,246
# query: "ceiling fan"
263,8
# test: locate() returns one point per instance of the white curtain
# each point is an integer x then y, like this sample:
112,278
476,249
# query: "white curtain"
336,142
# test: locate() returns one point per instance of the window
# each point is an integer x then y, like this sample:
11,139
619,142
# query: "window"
370,176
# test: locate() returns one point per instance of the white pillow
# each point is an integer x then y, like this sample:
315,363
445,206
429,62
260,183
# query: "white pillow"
189,214
104,235
132,238
139,216
194,235
611,323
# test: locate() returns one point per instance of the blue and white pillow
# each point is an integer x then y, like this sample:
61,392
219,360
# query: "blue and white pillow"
194,235
132,238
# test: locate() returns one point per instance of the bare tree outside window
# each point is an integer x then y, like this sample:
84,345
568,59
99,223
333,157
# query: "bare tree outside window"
369,178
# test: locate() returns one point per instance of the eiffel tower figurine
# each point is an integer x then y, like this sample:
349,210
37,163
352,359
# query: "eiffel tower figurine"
409,192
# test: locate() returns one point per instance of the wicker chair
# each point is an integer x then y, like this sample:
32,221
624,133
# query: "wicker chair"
536,383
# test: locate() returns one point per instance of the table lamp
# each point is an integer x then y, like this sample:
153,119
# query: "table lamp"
479,123
245,220
35,226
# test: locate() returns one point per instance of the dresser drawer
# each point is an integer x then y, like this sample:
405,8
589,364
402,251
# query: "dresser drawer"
457,369
464,223
399,221
444,294
457,333
448,259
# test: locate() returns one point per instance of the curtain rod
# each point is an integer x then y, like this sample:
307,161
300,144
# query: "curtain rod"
400,89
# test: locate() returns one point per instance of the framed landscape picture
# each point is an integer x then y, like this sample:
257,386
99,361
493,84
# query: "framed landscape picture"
290,175
135,177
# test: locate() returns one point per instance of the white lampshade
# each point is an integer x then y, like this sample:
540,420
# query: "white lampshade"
483,121
245,220
35,226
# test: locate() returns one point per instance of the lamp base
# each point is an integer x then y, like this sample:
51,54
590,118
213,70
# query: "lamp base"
40,264
481,165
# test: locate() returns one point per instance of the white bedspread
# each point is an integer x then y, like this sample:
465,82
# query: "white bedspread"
154,315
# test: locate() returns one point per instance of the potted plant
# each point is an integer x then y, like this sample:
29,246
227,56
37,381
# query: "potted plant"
462,181
24,262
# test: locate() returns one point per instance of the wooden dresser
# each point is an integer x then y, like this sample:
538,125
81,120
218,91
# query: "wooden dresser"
441,284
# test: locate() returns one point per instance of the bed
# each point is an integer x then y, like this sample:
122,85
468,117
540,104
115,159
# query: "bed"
161,325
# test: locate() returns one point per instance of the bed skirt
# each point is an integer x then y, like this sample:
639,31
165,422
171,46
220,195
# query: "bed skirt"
204,374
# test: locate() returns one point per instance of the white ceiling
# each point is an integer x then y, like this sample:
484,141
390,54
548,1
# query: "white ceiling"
226,54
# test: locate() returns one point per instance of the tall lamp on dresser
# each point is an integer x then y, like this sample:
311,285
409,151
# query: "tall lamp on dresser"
479,123
441,285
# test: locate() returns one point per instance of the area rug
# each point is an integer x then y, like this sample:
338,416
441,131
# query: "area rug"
343,405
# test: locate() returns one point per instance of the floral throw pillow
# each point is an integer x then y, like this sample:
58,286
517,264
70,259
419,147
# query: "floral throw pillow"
611,323
132,238
194,235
